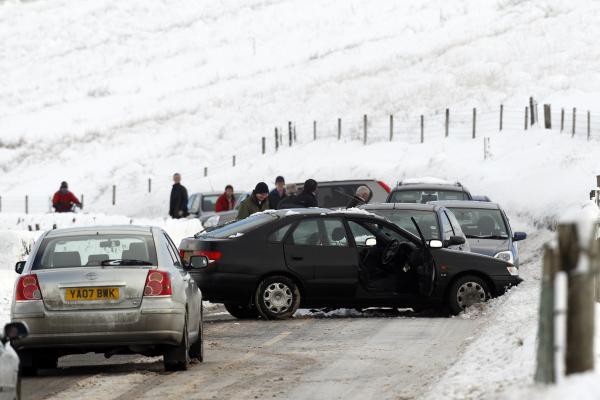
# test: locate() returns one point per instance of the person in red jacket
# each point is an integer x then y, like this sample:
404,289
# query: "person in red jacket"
226,201
63,200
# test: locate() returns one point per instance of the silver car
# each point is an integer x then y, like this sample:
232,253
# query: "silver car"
111,290
10,382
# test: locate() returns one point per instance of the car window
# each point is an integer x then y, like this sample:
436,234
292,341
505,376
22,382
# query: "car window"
379,229
427,221
240,227
173,251
335,233
455,224
481,223
194,203
279,234
360,233
209,202
424,196
336,196
446,226
307,233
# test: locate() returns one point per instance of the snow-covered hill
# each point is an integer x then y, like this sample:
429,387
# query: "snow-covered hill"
103,92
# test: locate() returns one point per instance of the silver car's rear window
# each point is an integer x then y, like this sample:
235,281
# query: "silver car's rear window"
480,223
95,250
427,221
424,196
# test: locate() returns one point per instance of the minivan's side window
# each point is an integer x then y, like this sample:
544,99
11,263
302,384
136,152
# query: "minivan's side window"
307,233
335,233
446,226
278,235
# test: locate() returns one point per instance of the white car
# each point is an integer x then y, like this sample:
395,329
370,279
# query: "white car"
10,382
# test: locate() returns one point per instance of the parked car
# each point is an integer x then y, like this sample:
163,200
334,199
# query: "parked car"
436,222
330,194
107,289
202,205
271,263
10,380
414,192
487,228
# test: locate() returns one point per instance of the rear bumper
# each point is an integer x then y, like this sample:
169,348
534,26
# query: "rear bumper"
225,287
150,324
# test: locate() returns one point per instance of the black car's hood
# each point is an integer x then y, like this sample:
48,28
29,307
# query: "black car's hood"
488,247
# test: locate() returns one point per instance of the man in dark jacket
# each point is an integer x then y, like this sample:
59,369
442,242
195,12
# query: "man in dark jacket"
257,202
179,199
278,193
362,196
64,200
226,201
289,201
308,197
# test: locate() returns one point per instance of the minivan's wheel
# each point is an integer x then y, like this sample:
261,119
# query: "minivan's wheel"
241,311
177,358
277,297
466,291
197,348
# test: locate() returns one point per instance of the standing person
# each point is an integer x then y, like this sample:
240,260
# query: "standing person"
308,197
226,201
278,193
179,198
362,196
289,201
258,201
64,200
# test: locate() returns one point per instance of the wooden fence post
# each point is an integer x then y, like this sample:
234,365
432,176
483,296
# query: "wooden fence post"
294,134
290,132
264,145
391,127
114,194
579,355
545,360
562,119
149,185
526,116
422,129
531,111
314,130
447,123
233,161
474,121
276,139
574,119
547,116
82,202
589,129
26,204
205,172
365,129
501,115
339,128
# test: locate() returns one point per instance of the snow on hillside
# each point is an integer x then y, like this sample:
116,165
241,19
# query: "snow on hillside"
103,92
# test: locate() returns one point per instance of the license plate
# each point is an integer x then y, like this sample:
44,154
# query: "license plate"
90,294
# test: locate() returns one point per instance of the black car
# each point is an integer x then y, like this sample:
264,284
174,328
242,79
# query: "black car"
271,263
435,221
426,192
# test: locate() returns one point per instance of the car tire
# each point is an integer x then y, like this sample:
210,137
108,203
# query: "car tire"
177,358
197,348
18,388
241,311
466,291
277,297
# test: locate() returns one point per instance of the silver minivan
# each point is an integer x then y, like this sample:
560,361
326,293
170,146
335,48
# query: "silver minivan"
107,289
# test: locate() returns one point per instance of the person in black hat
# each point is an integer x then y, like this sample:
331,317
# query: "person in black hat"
308,197
278,193
257,202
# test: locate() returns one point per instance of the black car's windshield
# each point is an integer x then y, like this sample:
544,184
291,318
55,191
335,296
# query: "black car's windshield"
238,228
427,221
481,223
95,250
424,196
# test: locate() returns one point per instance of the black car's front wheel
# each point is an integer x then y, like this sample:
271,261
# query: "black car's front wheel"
277,297
241,311
466,291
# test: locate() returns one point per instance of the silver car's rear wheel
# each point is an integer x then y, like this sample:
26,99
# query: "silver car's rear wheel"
177,358
277,297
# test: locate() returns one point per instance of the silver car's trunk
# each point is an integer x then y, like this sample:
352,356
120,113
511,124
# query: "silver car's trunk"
92,288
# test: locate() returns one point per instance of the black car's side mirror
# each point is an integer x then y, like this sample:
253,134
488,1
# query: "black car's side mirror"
198,262
518,236
20,266
14,331
454,241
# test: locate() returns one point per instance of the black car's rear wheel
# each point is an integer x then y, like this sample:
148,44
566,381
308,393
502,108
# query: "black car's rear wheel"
277,297
241,311
466,291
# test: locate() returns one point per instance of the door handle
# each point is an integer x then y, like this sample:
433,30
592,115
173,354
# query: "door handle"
297,258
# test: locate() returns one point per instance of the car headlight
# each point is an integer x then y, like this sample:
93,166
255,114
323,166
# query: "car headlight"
505,256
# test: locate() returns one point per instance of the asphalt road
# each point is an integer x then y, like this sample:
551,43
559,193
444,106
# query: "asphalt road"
378,355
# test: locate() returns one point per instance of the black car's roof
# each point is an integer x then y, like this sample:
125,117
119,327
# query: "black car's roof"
430,186
402,206
482,205
321,211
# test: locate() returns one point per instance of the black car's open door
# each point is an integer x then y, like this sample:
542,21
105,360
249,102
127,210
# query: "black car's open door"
426,268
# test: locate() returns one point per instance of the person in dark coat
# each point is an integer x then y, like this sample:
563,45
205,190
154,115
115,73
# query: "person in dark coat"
226,201
362,196
257,202
308,197
64,200
278,193
179,199
289,200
